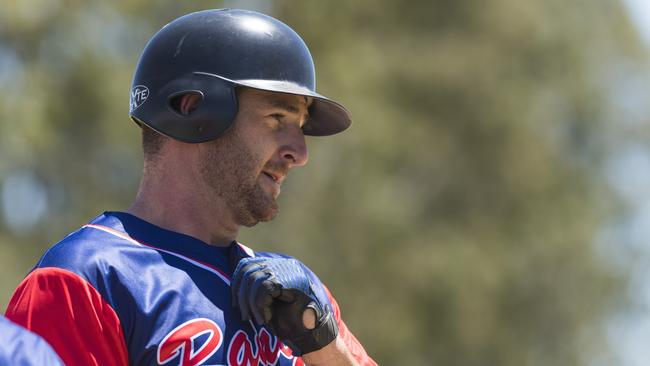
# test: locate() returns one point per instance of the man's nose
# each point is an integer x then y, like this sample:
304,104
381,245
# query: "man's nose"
295,151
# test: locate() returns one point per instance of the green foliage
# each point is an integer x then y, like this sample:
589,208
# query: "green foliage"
454,221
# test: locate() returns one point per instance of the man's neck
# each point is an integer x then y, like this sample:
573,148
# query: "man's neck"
172,206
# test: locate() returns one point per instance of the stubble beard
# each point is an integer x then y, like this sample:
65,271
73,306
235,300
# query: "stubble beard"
232,173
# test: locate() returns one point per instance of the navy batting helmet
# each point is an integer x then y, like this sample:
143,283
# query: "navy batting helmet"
212,52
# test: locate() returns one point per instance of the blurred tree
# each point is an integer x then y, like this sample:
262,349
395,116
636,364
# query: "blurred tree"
454,222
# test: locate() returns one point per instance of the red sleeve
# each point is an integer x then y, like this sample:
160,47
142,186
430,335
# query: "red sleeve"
71,315
357,350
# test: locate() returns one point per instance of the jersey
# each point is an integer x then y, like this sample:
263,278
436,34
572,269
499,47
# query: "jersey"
122,291
21,347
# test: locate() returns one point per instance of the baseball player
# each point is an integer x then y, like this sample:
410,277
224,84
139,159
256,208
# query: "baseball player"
224,99
21,347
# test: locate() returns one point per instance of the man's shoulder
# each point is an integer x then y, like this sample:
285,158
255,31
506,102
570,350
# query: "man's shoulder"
83,246
94,249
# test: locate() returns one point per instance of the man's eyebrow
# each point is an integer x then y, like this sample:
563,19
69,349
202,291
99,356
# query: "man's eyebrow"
284,105
289,107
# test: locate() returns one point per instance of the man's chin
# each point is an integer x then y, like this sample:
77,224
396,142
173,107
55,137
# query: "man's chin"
262,214
270,214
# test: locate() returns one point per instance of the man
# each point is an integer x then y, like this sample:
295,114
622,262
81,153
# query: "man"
224,99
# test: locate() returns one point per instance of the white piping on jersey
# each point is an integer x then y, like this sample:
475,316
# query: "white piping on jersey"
246,249
133,241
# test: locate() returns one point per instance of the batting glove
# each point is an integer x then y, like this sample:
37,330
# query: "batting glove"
276,292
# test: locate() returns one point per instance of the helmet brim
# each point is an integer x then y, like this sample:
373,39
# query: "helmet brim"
326,117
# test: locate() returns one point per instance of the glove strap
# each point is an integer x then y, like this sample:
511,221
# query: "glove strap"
314,339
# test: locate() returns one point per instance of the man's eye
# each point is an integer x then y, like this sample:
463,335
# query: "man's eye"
278,116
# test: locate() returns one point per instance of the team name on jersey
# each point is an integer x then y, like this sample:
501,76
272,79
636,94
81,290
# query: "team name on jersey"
264,350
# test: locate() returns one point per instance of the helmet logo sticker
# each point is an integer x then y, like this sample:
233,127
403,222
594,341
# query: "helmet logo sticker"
139,95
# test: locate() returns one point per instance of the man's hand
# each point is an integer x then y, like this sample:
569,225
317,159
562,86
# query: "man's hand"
279,293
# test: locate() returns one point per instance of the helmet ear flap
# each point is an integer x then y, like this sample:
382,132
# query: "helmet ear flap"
197,108
185,102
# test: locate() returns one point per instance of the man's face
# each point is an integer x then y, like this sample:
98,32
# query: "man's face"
246,166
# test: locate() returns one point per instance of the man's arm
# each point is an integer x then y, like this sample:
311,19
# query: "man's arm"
280,293
347,345
71,316
335,353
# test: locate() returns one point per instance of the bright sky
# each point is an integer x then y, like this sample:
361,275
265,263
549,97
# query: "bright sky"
630,333
640,12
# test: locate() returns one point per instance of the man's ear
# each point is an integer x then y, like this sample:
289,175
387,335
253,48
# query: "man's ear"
184,104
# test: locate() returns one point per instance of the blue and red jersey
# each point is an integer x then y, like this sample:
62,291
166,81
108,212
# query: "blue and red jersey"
122,291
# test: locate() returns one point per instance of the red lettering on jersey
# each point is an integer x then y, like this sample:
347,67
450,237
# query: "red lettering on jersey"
181,341
240,351
288,354
267,353
269,349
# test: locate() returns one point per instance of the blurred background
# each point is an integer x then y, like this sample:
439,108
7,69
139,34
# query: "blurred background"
489,206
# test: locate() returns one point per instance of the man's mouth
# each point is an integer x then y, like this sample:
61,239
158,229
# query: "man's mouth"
275,182
274,178
277,178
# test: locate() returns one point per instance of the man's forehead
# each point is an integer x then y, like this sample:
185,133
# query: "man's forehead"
275,99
